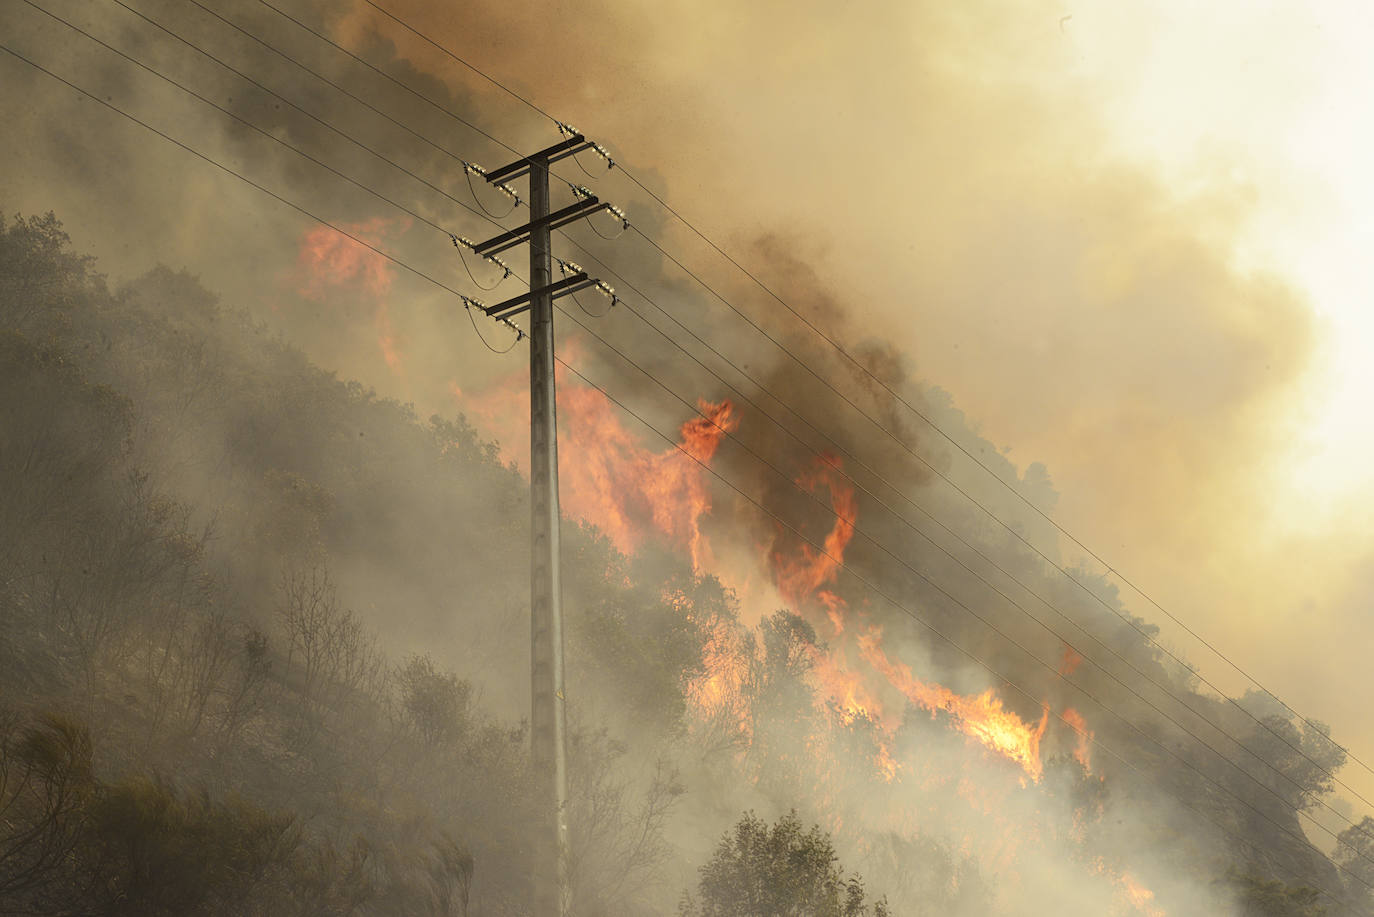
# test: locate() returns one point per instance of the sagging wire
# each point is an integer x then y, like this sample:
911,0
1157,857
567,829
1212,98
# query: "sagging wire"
584,192
468,303
605,289
461,243
470,169
569,131
620,215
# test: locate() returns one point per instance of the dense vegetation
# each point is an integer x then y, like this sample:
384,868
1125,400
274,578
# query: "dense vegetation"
219,565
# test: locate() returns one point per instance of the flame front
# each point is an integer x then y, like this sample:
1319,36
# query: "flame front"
981,716
805,574
629,491
860,688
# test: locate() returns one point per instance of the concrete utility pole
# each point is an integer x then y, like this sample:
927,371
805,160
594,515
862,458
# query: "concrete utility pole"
547,725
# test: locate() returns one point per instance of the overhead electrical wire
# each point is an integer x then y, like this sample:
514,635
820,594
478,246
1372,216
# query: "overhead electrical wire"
327,81
249,79
1012,530
852,522
245,122
1088,736
583,191
624,225
668,208
469,305
568,268
460,244
450,234
514,204
1163,688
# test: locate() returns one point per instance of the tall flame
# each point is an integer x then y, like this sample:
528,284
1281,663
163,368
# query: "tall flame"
607,476
628,491
803,575
799,575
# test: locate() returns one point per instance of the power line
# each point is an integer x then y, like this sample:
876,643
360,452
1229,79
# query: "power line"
1062,676
1087,735
1165,689
519,333
423,37
244,76
1049,605
668,208
1126,618
246,123
328,82
382,73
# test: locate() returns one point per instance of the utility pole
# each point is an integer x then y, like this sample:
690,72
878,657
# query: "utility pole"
547,721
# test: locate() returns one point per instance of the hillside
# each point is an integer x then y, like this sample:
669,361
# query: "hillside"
263,636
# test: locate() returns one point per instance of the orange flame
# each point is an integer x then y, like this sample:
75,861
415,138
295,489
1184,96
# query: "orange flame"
845,689
1140,897
718,693
628,491
798,577
1082,751
980,716
607,476
330,261
633,493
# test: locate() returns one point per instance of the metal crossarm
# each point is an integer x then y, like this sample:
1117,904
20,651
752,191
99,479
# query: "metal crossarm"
517,304
558,218
574,144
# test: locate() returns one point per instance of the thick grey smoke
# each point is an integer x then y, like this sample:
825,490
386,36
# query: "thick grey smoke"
1009,260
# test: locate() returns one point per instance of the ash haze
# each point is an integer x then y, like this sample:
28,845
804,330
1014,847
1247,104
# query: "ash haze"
1115,250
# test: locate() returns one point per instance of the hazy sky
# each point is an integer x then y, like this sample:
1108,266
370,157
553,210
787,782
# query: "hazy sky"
1131,239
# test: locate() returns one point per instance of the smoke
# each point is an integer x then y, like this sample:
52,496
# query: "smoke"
924,185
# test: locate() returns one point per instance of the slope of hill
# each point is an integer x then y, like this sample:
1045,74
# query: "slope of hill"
263,635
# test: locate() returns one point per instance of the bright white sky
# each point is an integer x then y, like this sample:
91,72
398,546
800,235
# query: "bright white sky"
1278,94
